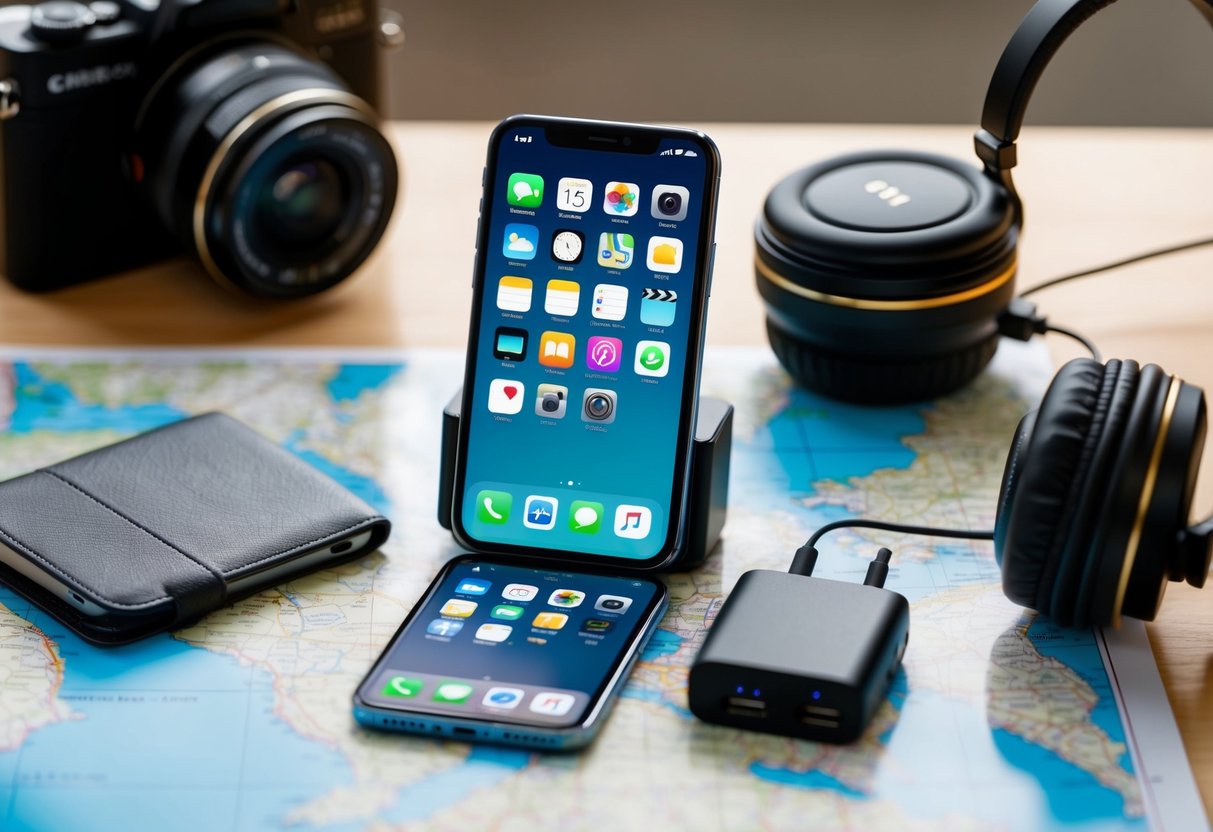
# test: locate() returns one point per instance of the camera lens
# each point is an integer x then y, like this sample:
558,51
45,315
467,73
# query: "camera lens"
669,203
267,166
612,603
304,204
551,402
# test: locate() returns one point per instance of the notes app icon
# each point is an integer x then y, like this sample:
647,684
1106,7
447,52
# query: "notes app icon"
562,298
514,294
665,254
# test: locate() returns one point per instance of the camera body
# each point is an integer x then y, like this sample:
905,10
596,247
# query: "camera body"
552,403
598,405
91,97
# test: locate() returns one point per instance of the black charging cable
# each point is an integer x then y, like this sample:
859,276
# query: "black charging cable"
1021,320
806,556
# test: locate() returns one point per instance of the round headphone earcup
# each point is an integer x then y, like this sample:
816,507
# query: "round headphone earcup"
853,379
884,273
1046,458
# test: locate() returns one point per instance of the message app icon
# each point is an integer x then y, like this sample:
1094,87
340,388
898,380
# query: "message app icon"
519,592
556,349
633,522
525,190
585,516
622,199
550,620
509,344
505,396
540,512
514,294
615,251
521,241
452,693
604,354
567,598
657,307
652,359
610,302
507,612
562,298
402,687
493,506
458,608
665,254
503,697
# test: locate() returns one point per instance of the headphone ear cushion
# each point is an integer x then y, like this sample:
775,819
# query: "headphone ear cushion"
1045,461
879,382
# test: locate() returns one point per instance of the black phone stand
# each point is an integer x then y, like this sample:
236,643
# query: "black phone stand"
707,502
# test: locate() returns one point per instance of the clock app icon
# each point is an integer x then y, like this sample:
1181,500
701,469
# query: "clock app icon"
567,246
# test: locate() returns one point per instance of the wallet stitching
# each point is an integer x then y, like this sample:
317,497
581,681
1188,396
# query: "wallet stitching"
364,521
53,567
213,572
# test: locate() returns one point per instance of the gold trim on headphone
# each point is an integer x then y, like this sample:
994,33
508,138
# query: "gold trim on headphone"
1147,494
885,305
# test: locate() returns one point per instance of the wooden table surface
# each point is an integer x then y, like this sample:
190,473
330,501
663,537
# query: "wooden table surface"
1092,195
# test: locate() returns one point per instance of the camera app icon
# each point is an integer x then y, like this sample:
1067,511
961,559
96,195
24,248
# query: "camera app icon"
670,202
598,406
551,401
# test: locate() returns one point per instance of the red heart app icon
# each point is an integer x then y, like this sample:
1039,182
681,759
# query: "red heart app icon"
510,392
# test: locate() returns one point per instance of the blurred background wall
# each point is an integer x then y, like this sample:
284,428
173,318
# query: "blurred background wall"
1139,62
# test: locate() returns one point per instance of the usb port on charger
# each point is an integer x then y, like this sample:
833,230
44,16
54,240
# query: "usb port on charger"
745,706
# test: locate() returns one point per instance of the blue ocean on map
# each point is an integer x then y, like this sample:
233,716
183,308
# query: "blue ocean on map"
213,754
813,439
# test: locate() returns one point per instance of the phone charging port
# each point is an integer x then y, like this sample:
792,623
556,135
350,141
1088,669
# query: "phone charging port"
343,546
744,706
821,716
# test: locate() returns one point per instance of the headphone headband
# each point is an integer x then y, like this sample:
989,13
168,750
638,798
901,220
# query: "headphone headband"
1045,28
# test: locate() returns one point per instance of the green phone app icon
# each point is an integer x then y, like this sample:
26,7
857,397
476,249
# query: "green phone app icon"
507,612
652,358
525,190
453,693
585,517
493,506
402,687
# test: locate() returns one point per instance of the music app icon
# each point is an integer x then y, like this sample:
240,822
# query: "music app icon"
633,521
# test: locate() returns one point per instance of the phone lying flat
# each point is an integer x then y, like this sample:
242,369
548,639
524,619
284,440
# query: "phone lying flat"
512,652
590,295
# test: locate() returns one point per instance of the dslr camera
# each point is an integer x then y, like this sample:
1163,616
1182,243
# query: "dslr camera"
242,131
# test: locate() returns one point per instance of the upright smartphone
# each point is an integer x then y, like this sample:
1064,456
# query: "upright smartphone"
590,291
511,652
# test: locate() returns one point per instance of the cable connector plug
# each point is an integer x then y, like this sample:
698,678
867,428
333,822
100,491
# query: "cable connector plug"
878,569
1021,321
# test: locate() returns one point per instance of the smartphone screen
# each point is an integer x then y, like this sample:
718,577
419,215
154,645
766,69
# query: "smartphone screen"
587,328
513,644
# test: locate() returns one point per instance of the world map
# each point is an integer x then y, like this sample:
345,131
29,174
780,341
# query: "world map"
998,720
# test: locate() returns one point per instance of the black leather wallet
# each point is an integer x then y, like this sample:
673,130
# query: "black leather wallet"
150,533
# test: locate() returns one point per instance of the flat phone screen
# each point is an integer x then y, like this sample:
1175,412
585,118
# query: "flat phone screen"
585,342
511,644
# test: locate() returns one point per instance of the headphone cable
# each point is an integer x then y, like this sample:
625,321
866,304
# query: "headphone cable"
806,555
1128,261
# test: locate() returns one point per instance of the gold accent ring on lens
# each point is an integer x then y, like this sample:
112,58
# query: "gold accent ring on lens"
1147,493
312,95
885,305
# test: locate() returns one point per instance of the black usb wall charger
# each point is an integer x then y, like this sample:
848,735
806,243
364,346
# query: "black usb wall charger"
799,656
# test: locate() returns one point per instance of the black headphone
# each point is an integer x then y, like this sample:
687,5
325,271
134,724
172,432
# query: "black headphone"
885,275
